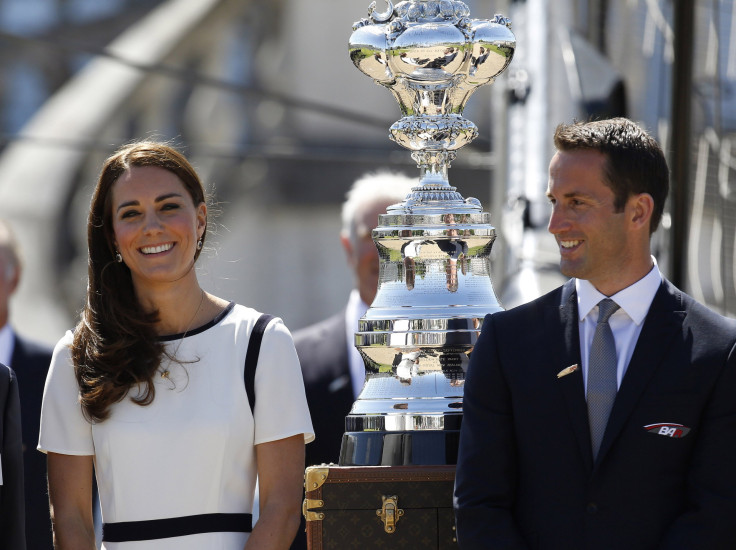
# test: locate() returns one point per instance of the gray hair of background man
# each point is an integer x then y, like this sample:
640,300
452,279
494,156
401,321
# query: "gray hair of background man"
372,188
10,251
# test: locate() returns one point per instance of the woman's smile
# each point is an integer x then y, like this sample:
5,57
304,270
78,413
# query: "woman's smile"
156,249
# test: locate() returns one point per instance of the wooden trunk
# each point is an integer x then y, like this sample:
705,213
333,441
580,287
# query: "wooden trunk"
365,507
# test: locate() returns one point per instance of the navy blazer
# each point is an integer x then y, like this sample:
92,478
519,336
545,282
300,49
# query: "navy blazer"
12,511
31,363
526,478
323,354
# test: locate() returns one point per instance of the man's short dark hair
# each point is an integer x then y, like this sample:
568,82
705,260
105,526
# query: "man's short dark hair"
635,162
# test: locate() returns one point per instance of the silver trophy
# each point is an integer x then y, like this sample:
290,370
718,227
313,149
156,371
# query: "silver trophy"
434,284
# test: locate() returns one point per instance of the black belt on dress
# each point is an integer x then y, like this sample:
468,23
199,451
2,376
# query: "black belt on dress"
127,531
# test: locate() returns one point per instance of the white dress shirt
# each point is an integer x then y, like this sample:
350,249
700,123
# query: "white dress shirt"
626,323
7,343
355,310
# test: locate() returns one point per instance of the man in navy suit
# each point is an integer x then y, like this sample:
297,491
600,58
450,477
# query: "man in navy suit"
533,470
30,361
12,512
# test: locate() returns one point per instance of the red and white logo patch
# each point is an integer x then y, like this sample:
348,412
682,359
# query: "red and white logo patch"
667,429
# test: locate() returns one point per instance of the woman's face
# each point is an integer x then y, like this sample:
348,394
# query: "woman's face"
156,225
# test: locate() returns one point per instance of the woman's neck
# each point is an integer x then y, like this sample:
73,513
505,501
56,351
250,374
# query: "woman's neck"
181,305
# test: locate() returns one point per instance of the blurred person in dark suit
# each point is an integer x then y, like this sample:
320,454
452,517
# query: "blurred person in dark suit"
30,361
331,365
12,511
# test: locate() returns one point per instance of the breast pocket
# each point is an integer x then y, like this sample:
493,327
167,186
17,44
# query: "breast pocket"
671,410
666,428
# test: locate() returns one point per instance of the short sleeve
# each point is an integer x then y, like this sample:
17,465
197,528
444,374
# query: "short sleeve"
281,409
64,429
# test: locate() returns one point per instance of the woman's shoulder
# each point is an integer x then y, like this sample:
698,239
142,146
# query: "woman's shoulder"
232,313
244,314
221,310
65,342
245,318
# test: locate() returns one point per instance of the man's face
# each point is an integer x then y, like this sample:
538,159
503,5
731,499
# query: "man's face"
594,241
362,254
8,283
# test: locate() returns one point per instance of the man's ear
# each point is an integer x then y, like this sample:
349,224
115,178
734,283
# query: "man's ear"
14,279
642,207
348,247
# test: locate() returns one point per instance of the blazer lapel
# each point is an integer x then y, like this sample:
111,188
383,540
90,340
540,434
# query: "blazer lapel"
662,322
567,353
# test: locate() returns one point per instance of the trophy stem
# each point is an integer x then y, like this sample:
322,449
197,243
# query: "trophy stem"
433,166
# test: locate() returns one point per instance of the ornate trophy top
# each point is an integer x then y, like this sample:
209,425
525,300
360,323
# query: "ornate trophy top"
432,57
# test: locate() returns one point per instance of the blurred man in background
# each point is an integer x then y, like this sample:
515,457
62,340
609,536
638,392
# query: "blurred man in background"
30,361
332,367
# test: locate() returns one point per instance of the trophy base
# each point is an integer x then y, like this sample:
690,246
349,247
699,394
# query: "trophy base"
428,447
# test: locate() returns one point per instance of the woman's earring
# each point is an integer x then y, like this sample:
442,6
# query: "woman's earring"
199,244
118,257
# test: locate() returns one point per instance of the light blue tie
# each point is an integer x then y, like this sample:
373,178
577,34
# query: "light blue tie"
602,384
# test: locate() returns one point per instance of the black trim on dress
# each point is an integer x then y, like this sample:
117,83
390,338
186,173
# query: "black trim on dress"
209,324
251,358
129,531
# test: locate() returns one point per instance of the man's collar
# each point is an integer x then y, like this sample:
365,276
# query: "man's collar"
356,308
7,343
634,299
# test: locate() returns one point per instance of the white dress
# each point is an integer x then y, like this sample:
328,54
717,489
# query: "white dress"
191,451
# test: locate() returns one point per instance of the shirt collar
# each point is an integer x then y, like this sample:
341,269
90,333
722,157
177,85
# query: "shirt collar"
634,299
356,308
7,341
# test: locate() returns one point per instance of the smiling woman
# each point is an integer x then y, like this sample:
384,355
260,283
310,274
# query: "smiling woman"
158,367
125,305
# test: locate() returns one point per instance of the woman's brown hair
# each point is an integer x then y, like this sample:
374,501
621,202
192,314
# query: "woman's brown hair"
115,343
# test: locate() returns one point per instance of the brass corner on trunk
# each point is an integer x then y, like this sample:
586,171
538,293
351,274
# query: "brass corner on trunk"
315,477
